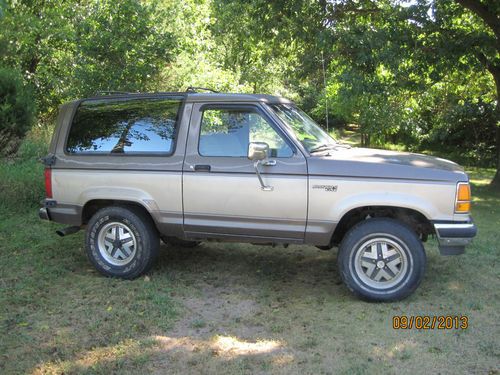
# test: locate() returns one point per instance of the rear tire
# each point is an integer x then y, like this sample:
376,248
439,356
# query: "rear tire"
381,259
121,242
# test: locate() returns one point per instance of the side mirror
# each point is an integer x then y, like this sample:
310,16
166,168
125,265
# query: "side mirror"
258,151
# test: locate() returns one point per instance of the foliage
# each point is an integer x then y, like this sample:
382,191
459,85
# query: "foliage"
119,46
74,48
398,70
16,110
403,72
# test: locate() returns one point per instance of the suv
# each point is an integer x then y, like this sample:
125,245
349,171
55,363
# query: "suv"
186,167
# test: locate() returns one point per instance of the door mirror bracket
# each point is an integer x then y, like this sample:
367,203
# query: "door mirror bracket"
257,152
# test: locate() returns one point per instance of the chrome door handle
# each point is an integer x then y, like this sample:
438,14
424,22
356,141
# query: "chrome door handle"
269,163
202,168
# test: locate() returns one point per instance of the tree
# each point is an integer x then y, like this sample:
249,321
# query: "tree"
119,46
489,55
73,48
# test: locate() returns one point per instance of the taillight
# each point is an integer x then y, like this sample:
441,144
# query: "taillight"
463,198
48,182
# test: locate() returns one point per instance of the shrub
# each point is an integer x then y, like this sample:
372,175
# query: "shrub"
17,111
21,177
466,132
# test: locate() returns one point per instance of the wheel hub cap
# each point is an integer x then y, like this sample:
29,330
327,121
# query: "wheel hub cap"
380,262
117,243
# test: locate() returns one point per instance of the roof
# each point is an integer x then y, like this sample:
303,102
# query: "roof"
192,97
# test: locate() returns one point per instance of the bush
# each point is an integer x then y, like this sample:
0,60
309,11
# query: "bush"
466,132
17,111
21,177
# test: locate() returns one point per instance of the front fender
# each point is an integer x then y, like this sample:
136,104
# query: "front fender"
385,199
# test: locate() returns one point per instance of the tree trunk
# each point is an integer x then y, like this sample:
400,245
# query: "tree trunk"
496,179
495,71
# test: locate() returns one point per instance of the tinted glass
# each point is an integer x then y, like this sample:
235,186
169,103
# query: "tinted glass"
132,126
227,133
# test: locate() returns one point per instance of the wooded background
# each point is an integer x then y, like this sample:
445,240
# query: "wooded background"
421,75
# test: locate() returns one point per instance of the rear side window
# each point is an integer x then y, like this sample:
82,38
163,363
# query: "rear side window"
131,126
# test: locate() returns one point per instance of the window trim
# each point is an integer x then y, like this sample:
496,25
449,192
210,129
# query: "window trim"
179,117
255,109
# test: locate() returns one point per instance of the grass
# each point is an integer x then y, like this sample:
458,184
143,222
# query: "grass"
231,308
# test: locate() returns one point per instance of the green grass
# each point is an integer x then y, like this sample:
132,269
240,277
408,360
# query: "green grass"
230,308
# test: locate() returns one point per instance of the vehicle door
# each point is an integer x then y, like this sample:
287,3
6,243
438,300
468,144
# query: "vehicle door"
222,194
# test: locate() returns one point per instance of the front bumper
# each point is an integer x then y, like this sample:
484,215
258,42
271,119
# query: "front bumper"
454,236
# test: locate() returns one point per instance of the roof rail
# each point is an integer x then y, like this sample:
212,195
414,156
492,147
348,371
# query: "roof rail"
196,88
111,92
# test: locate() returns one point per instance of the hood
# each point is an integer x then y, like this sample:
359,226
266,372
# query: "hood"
366,162
371,155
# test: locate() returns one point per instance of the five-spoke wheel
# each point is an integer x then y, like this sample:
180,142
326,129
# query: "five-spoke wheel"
122,241
117,243
381,260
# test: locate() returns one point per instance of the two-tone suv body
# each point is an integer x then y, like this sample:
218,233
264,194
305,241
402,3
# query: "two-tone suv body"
186,167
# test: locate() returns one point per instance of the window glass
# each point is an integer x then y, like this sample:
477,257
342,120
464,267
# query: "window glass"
305,129
124,126
227,132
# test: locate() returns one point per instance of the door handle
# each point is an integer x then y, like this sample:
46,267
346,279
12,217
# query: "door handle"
202,168
269,163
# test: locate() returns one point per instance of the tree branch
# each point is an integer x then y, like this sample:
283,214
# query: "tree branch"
490,18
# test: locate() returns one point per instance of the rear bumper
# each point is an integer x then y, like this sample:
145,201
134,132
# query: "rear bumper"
60,213
454,236
43,214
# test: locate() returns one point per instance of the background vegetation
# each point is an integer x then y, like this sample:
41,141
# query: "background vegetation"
421,74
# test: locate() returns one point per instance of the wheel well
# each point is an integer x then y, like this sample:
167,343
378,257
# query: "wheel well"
91,207
416,220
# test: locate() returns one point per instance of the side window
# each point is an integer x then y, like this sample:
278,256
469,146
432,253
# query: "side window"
227,132
131,126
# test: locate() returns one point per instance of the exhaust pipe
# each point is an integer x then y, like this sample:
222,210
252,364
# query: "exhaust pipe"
66,231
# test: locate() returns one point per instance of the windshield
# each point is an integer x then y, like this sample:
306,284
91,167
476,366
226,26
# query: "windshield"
305,129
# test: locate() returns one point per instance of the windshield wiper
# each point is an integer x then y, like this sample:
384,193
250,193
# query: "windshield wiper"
323,147
326,147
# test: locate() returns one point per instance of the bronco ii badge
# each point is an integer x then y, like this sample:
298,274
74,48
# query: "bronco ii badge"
331,188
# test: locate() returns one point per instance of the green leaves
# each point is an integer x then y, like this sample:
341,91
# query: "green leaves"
16,110
74,48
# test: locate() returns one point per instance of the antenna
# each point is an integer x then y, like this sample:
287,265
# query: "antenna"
326,98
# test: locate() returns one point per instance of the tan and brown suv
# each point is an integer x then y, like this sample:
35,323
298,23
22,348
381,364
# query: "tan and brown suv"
185,167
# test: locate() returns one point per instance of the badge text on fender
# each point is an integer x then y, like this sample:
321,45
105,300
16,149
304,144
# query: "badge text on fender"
331,188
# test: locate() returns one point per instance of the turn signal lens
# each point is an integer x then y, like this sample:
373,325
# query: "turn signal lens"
462,200
462,207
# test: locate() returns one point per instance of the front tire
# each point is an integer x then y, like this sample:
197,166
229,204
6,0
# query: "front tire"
381,259
121,242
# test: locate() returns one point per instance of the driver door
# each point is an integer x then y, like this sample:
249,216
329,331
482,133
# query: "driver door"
222,195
